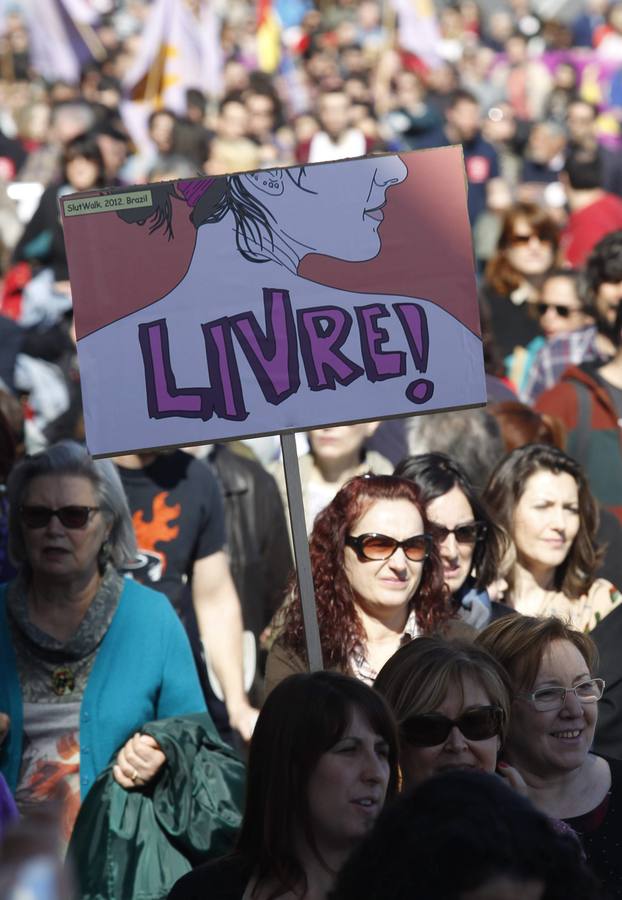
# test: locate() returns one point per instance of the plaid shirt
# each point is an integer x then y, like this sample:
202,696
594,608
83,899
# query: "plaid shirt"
359,665
561,351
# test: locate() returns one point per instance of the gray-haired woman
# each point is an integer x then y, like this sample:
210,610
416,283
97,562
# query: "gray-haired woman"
86,656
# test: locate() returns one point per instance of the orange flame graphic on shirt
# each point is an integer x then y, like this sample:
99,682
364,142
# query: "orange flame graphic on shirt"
158,529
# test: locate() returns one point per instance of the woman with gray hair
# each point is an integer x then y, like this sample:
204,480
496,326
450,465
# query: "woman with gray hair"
86,656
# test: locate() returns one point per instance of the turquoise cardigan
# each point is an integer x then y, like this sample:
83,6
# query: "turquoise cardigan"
143,671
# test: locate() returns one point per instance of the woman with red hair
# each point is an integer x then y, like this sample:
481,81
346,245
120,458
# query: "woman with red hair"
378,582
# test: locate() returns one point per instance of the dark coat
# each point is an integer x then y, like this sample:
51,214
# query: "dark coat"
139,843
608,638
224,879
257,539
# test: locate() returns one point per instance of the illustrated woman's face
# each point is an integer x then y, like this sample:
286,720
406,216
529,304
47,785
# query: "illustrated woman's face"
456,751
385,587
546,520
348,786
335,210
451,511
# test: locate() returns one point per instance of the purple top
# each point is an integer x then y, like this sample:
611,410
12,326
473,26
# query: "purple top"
8,809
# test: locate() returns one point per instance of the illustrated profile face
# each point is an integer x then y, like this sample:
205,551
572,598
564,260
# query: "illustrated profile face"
335,210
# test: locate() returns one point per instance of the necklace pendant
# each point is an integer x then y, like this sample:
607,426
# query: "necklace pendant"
63,681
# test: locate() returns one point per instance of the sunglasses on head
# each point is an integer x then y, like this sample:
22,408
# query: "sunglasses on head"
69,516
379,546
563,311
464,534
477,724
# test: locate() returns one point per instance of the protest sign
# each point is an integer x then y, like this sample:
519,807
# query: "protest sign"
272,301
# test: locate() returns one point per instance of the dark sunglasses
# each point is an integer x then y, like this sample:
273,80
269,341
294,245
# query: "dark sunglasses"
563,311
464,534
379,546
69,516
525,238
477,724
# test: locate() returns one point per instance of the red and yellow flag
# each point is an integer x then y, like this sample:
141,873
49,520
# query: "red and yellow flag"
268,37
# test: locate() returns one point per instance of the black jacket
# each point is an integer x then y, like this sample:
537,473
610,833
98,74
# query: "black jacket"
257,538
137,844
608,638
223,879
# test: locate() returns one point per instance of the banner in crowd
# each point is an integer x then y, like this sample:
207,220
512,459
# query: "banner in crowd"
271,301
62,37
418,30
179,49
599,77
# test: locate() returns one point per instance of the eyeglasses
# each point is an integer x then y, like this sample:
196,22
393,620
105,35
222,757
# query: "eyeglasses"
525,238
464,534
549,698
379,546
69,516
477,724
563,311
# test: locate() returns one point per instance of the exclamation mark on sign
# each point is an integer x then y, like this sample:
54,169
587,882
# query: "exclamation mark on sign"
415,325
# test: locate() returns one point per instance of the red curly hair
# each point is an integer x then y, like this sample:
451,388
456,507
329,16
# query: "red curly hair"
341,630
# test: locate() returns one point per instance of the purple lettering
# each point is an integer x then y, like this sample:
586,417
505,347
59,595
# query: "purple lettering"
420,390
273,355
379,365
413,320
322,331
164,398
223,368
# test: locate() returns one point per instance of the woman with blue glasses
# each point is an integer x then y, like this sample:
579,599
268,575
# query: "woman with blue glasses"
553,717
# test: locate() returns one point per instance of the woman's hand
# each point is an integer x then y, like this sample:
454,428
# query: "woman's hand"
513,778
242,718
138,762
5,724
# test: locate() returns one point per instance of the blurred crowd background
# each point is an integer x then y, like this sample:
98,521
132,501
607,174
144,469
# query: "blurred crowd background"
98,94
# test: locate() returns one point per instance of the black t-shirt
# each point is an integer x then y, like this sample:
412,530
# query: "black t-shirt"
178,518
221,879
510,324
601,836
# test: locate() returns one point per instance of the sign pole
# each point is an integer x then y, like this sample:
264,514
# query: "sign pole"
301,550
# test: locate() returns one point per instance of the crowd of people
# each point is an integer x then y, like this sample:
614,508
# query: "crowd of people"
160,734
